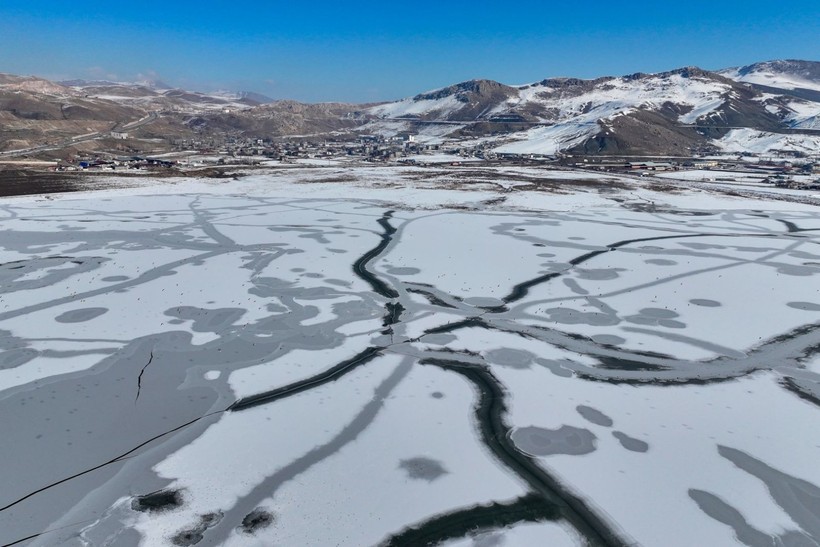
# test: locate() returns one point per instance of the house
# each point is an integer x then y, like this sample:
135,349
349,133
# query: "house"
650,166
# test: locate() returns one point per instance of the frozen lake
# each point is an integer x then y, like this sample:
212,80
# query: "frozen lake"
365,368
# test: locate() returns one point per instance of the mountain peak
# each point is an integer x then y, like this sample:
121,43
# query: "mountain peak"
477,87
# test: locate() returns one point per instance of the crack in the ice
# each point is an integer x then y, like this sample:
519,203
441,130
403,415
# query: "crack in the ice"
329,375
489,415
348,434
139,378
360,266
549,497
114,460
521,290
480,518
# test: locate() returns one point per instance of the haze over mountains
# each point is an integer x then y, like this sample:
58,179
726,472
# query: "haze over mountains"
760,108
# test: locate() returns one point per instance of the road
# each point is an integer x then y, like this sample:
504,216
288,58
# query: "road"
151,117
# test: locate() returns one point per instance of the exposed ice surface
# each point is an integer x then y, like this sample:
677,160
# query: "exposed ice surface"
387,363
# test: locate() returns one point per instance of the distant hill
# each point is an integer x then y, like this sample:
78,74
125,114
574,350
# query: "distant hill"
766,106
673,112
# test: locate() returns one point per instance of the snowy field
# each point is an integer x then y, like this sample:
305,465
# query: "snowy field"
401,356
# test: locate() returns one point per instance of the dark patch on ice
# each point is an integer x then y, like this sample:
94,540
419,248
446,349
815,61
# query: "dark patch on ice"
608,339
489,539
800,499
803,254
747,534
156,502
725,513
421,468
630,443
207,320
434,300
610,362
402,271
744,249
309,233
656,317
537,441
194,535
602,274
556,367
81,315
804,388
661,262
355,308
256,520
575,287
700,246
806,306
393,315
439,339
115,278
594,415
16,357
706,303
513,358
484,302
437,395
658,313
569,316
798,271
55,269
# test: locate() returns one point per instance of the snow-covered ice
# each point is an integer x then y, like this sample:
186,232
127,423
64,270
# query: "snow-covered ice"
407,360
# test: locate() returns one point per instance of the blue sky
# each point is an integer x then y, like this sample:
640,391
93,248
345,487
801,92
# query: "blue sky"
371,51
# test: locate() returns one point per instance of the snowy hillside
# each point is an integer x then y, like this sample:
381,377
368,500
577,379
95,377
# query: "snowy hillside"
671,112
762,142
580,115
158,98
780,74
694,92
31,84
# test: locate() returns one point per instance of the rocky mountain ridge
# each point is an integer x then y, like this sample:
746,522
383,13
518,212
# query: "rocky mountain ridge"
677,112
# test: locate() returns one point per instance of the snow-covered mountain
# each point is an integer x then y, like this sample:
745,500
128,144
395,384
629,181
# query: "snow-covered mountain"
670,112
788,74
159,96
763,107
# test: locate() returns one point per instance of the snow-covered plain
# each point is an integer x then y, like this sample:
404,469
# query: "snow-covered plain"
459,358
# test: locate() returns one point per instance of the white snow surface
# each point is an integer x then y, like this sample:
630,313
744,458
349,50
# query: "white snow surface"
772,79
762,142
